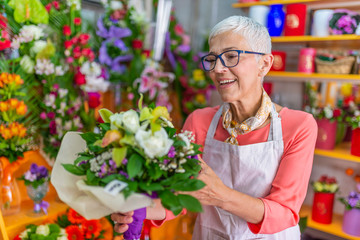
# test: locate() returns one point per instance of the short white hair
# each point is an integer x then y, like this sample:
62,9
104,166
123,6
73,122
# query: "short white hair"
254,33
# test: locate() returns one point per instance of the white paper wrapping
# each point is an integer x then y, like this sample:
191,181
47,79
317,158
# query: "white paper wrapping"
91,202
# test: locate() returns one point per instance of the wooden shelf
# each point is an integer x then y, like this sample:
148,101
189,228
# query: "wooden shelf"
243,5
317,77
16,223
334,228
342,151
300,39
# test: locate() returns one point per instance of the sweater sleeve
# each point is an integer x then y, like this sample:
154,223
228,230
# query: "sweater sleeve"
290,184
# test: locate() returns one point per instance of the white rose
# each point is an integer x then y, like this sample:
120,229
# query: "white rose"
27,64
91,69
116,120
38,47
31,32
154,145
328,112
43,230
130,121
114,5
24,234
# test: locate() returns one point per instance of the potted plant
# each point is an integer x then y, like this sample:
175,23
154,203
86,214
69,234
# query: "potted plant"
351,218
325,189
354,122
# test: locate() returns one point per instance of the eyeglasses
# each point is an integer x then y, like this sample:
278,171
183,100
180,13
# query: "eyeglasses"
228,58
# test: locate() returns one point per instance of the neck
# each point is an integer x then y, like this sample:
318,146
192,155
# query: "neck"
246,107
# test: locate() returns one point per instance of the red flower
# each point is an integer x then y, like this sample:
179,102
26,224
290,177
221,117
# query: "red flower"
94,99
337,112
48,7
91,56
56,5
67,30
92,228
178,29
146,52
84,38
74,233
74,40
77,21
4,44
68,44
79,78
17,237
137,44
77,52
74,217
86,52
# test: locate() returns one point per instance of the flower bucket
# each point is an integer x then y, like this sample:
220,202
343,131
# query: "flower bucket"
340,132
351,222
326,134
355,142
322,209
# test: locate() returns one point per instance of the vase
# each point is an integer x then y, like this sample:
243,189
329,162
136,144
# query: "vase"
355,142
275,20
295,19
326,134
307,60
10,197
37,194
320,26
322,209
351,220
340,132
259,13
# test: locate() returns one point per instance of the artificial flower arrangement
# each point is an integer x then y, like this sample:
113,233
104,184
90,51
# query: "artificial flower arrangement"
4,36
36,176
327,112
344,21
136,156
77,227
354,120
351,201
325,184
48,231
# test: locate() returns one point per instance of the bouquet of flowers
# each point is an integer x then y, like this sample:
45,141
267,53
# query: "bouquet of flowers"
77,227
327,112
135,157
344,21
351,201
45,231
4,36
36,176
326,184
354,120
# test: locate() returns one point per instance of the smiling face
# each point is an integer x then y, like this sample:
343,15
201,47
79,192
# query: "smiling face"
243,81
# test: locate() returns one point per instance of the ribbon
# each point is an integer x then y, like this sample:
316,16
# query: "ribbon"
134,231
42,205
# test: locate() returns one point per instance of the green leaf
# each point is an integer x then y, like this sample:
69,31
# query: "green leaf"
190,203
128,139
105,114
90,177
29,10
145,114
134,165
81,158
170,201
151,186
74,169
89,137
188,185
104,127
119,154
140,102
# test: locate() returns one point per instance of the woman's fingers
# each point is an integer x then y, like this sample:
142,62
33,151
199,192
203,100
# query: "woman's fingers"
121,221
121,228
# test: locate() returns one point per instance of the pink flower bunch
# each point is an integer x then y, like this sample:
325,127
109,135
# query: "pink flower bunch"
344,21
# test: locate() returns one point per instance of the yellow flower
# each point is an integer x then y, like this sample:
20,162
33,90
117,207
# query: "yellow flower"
13,103
200,98
6,133
14,129
21,108
3,106
198,75
22,131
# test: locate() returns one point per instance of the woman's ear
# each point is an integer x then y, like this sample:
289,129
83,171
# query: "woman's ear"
265,64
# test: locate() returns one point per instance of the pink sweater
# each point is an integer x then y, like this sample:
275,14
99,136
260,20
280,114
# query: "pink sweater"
289,187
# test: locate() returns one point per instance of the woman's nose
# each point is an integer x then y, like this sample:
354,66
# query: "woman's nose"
219,66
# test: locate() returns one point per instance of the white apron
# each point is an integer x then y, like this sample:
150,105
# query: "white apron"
249,169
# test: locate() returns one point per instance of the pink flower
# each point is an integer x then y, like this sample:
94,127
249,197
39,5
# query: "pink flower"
130,96
178,29
77,21
43,115
51,115
67,30
70,60
56,5
94,99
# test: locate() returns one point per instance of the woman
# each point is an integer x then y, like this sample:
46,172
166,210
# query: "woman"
257,155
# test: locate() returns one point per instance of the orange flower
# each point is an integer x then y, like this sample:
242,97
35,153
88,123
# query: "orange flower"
16,79
13,103
74,233
6,133
74,217
21,108
22,131
14,129
3,106
92,228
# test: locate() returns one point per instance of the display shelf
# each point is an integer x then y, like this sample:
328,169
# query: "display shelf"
249,4
301,39
316,77
342,151
17,222
334,228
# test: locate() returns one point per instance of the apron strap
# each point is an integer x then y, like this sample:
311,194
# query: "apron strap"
275,132
214,122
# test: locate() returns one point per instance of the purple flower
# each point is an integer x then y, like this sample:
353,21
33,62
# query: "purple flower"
172,152
103,170
124,174
29,176
183,48
120,44
34,168
51,115
166,161
52,127
43,172
124,161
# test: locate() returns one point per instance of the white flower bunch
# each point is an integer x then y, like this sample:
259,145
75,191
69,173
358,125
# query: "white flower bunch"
94,81
43,232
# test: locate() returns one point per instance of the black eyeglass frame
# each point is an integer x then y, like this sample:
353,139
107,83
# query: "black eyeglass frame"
222,61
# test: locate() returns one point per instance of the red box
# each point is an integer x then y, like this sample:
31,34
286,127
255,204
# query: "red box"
279,61
322,209
295,20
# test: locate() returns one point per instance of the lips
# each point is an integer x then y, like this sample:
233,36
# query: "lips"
225,82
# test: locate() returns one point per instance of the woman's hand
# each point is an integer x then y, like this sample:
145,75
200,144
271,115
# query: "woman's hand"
215,191
122,220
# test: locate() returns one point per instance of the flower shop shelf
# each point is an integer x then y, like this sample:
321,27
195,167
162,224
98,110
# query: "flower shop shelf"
249,4
342,151
303,39
334,228
313,4
17,222
317,77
